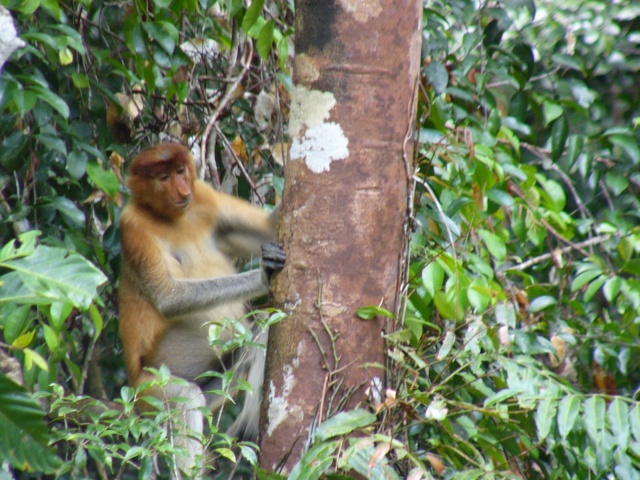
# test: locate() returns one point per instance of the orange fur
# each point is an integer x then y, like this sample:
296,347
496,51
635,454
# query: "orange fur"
180,239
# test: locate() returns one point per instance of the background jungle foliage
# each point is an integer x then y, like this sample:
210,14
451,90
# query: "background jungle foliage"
517,355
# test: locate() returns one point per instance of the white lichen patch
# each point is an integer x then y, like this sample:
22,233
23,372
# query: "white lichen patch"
308,108
321,145
279,408
314,140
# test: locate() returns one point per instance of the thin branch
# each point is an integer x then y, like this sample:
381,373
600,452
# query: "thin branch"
239,164
547,256
442,214
228,97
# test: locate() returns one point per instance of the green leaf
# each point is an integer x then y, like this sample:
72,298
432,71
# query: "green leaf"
495,245
72,38
69,211
369,465
617,183
594,417
544,417
559,135
555,194
52,99
594,287
96,318
23,432
24,340
105,180
573,62
265,39
315,462
541,303
344,423
16,321
65,56
551,111
53,7
583,278
500,197
51,338
164,33
283,52
59,311
52,274
629,144
134,37
447,345
635,421
445,306
371,312
226,453
518,106
438,77
433,278
31,357
27,7
574,148
618,415
76,163
249,454
134,452
252,14
24,101
524,54
568,410
80,80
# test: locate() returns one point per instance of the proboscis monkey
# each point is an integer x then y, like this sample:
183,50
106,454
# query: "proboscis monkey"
180,239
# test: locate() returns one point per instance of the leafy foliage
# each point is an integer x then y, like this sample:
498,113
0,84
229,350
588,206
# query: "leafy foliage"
96,83
23,432
524,305
515,353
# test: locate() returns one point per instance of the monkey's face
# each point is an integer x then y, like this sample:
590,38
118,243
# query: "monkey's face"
176,187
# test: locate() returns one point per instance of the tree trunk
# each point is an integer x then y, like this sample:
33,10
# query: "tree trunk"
344,222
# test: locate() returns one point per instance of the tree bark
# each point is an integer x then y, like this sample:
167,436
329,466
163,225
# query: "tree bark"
344,222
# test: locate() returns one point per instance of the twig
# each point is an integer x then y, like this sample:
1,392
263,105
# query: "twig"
547,256
547,164
228,96
444,217
239,164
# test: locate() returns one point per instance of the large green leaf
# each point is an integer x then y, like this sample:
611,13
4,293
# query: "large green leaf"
344,423
314,462
568,411
618,415
51,274
23,433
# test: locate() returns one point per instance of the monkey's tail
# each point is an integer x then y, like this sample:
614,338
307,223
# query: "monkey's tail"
246,425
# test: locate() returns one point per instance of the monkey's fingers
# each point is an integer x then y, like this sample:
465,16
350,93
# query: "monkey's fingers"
273,256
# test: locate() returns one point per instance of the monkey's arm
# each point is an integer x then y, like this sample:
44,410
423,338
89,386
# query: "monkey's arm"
242,228
174,297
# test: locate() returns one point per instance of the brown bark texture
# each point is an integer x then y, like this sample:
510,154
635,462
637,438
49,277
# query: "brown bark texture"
345,212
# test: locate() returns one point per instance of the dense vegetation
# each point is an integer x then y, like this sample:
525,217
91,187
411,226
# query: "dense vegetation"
515,355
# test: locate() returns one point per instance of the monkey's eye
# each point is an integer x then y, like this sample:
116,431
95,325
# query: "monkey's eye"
181,171
164,178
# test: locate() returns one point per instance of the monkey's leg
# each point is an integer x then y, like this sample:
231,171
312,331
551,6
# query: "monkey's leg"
187,428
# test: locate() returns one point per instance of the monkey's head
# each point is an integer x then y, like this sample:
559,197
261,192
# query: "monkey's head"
161,179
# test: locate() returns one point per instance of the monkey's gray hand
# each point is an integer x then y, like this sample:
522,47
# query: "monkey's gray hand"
273,258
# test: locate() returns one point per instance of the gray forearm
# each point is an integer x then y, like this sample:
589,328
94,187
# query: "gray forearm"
184,296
